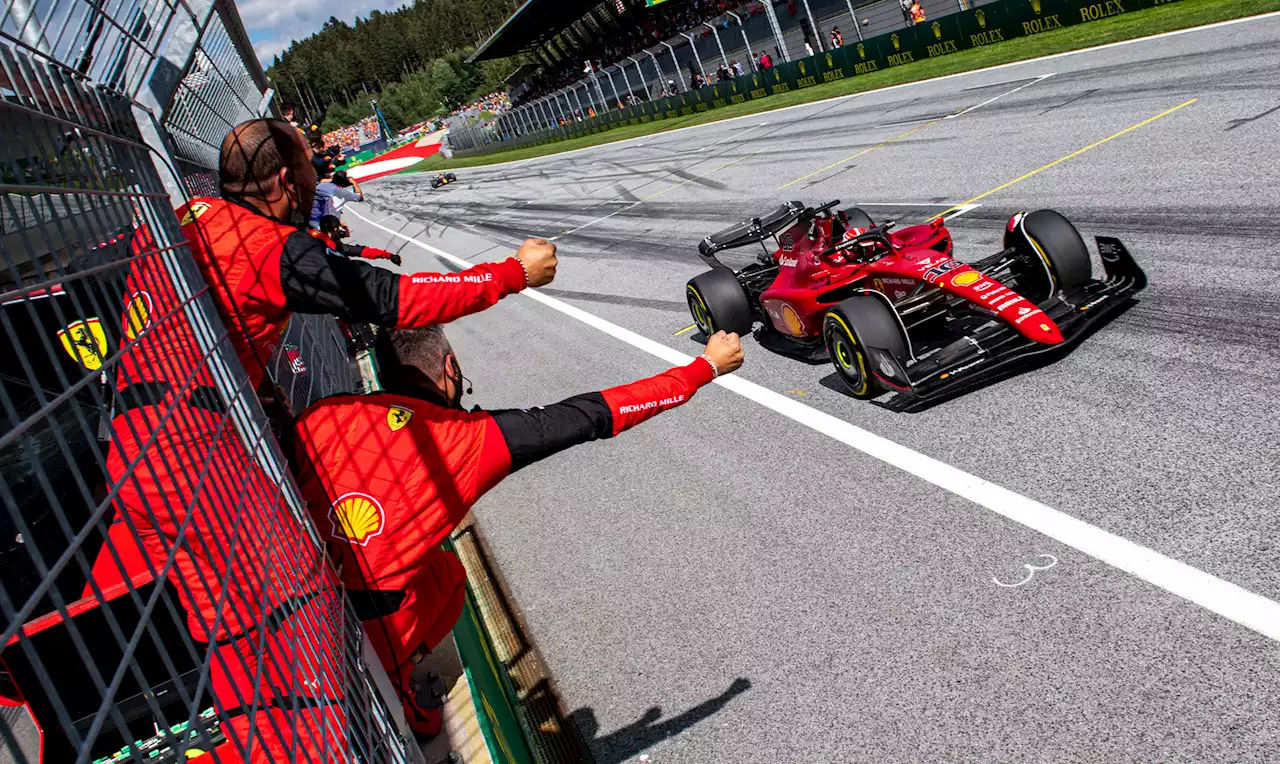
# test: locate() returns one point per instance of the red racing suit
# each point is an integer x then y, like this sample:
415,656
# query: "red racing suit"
248,574
388,477
262,271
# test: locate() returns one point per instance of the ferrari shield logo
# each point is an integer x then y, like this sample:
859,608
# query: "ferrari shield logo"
893,38
981,16
137,316
85,342
398,417
194,212
937,30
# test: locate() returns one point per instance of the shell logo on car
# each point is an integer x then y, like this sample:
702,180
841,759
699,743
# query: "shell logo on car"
356,517
137,316
792,320
966,278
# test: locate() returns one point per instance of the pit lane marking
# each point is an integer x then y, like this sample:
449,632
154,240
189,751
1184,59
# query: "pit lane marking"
1072,155
930,123
851,157
1002,95
1231,601
685,330
655,195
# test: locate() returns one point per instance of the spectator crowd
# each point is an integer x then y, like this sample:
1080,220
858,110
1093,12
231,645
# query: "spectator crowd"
640,29
352,137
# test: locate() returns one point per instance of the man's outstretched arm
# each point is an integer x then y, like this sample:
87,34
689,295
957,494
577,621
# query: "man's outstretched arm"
313,281
534,434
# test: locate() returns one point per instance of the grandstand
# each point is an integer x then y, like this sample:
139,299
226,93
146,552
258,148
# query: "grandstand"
596,56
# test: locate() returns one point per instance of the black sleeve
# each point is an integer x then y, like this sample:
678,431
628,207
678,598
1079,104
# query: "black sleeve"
315,281
350,250
535,434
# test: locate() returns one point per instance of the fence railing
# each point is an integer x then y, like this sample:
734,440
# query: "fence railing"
163,592
574,113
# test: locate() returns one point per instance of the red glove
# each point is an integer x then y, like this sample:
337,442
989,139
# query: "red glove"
373,253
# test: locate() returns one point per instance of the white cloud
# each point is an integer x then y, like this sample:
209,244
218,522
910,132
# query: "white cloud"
267,50
280,22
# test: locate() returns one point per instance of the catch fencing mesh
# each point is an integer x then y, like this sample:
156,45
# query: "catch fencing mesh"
164,593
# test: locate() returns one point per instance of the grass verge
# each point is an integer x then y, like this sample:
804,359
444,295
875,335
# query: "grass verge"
1164,18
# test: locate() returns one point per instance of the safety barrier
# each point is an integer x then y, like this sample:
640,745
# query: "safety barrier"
113,115
989,24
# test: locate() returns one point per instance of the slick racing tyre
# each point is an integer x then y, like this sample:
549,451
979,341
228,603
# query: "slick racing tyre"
450,177
718,302
435,183
857,332
1054,257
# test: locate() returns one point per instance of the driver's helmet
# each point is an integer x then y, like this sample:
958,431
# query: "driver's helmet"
860,251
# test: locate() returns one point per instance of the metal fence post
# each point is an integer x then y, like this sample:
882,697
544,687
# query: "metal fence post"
716,34
813,25
857,27
747,43
694,49
777,30
676,64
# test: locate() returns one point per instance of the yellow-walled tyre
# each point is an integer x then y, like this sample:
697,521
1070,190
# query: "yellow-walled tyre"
718,302
854,331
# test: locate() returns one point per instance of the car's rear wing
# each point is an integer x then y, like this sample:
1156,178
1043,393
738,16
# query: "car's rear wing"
751,231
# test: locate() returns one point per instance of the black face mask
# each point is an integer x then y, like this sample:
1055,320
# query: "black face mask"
430,394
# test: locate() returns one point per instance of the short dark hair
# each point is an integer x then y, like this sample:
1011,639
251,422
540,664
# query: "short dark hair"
423,349
340,179
253,152
329,224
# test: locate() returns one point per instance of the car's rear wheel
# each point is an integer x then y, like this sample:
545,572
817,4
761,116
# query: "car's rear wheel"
718,302
855,331
1053,255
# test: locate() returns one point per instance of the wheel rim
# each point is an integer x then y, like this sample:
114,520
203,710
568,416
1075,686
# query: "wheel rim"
848,358
701,316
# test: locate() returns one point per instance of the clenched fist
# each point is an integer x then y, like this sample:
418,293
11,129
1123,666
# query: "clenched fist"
538,256
725,351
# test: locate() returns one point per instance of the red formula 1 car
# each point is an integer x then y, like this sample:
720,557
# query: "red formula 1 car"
893,311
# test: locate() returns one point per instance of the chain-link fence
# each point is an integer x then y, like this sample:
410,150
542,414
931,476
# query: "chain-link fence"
164,593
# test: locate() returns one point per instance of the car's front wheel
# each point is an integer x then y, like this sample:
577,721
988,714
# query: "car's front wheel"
855,331
1052,255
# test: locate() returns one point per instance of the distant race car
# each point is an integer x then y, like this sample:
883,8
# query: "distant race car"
893,311
443,179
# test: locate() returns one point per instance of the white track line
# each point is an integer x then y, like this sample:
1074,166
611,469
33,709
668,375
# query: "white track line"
778,111
1002,95
1224,598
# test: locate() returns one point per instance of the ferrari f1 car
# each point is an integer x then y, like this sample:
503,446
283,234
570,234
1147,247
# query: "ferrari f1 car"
442,179
893,311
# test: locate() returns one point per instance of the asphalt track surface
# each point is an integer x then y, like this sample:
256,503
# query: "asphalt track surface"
725,542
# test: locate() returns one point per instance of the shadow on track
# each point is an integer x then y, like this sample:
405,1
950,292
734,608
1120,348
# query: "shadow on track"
623,744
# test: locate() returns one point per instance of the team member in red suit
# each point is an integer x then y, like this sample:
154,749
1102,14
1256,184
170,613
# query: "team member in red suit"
262,267
195,508
388,476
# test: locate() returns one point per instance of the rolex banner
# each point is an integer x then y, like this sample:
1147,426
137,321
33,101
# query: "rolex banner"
990,24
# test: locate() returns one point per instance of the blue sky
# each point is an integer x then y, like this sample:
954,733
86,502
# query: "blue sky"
273,24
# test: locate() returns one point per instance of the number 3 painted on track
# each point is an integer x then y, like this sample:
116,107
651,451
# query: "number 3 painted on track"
1031,572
